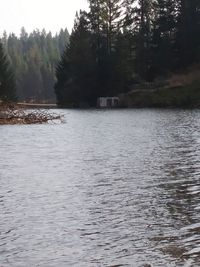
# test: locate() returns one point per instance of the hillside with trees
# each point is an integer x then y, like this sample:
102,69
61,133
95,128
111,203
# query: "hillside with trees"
33,58
119,44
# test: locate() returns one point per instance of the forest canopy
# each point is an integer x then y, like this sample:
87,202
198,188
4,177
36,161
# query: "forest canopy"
114,47
7,78
119,43
34,58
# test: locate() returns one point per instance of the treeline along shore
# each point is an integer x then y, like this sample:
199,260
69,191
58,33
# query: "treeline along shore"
33,58
146,52
120,45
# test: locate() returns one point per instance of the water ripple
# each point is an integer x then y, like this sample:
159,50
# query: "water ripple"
107,188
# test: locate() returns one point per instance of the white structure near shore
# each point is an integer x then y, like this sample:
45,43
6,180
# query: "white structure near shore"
108,102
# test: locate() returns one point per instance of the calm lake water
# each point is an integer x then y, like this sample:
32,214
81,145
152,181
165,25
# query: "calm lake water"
105,188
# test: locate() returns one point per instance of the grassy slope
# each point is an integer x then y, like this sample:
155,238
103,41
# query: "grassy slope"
183,90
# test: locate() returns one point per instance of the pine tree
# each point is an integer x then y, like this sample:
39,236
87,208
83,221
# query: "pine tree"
188,31
63,40
76,71
7,81
143,24
95,17
163,36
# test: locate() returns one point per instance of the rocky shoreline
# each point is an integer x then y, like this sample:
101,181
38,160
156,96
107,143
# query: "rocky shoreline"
16,114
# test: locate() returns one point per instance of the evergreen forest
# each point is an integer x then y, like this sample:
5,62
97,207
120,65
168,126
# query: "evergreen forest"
7,78
33,58
115,47
122,43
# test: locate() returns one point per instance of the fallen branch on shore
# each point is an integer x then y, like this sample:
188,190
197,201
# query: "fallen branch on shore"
13,114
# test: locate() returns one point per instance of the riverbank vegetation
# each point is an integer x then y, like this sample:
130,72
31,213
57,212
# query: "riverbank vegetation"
119,45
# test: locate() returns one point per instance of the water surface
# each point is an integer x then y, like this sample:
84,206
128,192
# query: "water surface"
106,188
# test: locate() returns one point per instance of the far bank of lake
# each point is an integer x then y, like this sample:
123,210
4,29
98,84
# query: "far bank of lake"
168,97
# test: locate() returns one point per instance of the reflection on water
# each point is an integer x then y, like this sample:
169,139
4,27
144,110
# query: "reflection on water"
107,188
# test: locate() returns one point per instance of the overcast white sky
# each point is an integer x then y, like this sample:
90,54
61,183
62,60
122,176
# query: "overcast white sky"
49,14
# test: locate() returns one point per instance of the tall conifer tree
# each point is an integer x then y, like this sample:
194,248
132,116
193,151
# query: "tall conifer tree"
7,80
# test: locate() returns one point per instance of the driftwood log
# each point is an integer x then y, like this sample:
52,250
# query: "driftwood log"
14,114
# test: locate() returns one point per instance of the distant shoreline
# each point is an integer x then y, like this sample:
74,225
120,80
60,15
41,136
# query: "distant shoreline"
169,97
36,105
